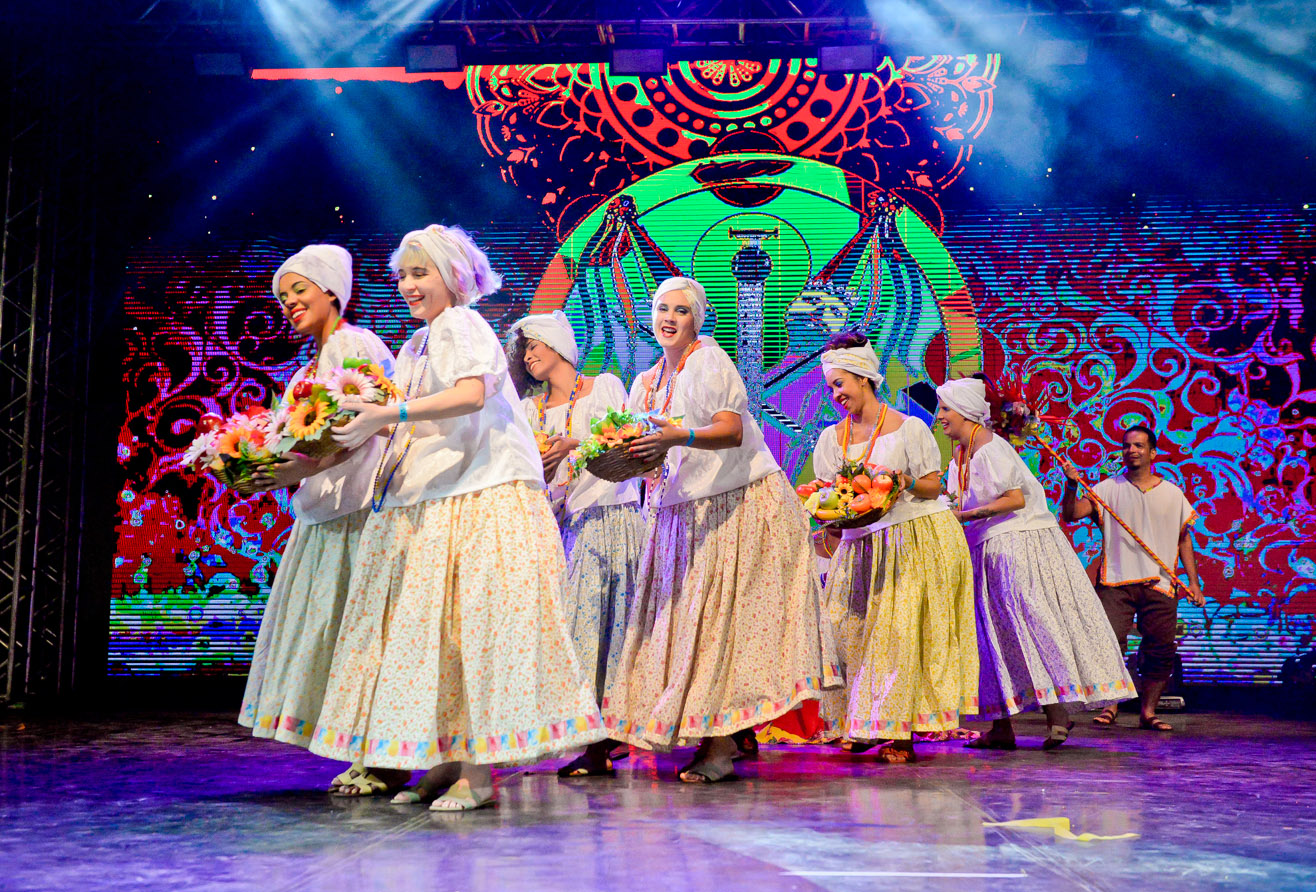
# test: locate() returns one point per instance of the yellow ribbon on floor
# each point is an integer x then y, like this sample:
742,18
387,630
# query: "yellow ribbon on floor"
1059,826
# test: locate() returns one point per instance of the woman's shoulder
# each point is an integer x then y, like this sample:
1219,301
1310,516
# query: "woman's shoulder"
710,355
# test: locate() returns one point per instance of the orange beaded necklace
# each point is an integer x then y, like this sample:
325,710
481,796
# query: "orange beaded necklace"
966,453
872,441
652,381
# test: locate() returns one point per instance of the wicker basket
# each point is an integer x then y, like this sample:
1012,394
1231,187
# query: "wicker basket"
859,520
617,465
323,447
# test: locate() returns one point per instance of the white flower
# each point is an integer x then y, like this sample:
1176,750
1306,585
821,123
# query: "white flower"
350,384
202,450
275,422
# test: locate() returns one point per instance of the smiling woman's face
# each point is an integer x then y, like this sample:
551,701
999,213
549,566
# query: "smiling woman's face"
673,320
305,304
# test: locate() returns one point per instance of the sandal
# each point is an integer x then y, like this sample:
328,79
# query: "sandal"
458,800
345,776
700,752
700,774
892,754
1056,735
988,742
747,744
365,783
1105,719
1155,723
584,766
856,746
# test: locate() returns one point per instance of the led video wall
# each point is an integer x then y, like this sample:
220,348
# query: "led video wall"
806,203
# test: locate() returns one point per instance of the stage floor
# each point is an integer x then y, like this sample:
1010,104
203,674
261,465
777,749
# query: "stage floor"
193,803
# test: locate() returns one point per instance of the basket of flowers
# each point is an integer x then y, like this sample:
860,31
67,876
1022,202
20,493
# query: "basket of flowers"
605,452
234,448
859,495
314,405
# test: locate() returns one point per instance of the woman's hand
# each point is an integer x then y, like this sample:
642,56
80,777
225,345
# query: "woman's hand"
655,445
558,447
289,472
370,419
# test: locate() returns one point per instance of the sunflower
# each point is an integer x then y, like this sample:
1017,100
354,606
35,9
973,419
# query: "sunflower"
308,419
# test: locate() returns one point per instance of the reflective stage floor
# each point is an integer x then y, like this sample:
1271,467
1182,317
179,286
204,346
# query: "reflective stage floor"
191,802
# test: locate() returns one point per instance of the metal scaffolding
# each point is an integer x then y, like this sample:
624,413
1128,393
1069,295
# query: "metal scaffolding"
46,263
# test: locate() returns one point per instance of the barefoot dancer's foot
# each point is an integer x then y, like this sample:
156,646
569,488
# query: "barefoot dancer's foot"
436,779
714,765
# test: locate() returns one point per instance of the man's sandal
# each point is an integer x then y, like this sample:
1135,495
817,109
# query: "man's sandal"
1155,723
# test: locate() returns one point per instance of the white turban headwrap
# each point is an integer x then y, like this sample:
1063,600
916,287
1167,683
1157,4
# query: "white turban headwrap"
694,291
861,361
464,267
328,266
553,329
968,397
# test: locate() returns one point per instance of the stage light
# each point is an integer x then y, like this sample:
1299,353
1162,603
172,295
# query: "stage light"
638,62
856,59
433,57
219,65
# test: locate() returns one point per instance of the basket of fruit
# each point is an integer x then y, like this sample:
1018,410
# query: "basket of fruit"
859,495
605,452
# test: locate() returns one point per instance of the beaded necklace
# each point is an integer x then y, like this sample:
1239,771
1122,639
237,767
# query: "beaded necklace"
966,453
872,441
378,494
541,404
650,384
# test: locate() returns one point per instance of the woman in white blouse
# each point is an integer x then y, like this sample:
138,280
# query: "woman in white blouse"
295,645
602,525
453,653
1043,637
899,591
726,629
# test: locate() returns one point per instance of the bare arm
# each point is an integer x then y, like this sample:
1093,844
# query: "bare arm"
1072,508
726,432
1010,500
463,398
926,487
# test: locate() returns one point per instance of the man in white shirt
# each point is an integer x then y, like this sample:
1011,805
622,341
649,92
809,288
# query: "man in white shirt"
1131,583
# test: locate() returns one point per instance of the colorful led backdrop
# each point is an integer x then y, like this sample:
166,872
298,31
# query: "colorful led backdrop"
807,203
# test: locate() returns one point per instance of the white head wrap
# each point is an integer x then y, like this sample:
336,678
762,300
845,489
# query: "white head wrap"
328,266
464,267
968,397
553,329
694,291
861,361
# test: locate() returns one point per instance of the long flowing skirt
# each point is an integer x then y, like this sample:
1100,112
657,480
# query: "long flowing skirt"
603,547
727,629
901,600
453,647
1043,636
295,645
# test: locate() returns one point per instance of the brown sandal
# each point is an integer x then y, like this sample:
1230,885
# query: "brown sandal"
1105,719
892,754
1155,723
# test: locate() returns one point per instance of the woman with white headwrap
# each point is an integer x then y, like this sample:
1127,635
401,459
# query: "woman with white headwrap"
453,654
899,591
601,522
1043,636
290,664
726,629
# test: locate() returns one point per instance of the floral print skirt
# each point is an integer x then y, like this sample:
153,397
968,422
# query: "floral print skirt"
603,547
453,646
726,630
901,601
1043,636
295,645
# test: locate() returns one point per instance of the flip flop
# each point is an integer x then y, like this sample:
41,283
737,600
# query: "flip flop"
1155,723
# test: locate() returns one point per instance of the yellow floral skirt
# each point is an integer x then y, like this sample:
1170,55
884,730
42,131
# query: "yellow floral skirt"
901,601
